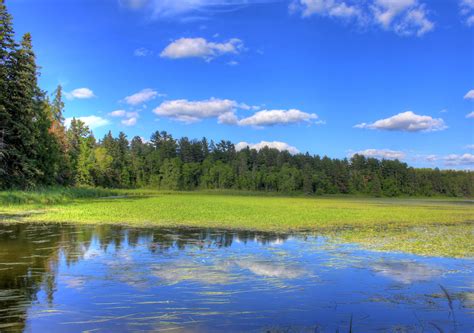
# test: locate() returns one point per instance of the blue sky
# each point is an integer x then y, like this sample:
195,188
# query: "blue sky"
388,78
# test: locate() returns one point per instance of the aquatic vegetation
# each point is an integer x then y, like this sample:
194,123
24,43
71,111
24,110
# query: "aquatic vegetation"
438,227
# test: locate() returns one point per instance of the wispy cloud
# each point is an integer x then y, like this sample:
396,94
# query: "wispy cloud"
129,121
407,122
170,9
141,97
467,11
142,52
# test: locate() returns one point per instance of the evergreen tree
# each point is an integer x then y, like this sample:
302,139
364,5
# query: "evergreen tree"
7,46
23,90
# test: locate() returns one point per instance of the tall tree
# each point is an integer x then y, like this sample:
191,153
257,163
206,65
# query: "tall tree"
7,46
23,90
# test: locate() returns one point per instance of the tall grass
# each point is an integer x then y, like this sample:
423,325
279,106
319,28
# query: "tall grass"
52,195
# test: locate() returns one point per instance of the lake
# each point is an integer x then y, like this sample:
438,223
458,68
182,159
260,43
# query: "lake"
67,278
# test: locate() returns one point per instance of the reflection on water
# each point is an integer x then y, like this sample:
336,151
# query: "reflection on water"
64,278
406,271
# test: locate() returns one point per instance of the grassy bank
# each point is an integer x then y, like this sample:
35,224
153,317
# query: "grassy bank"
52,195
423,226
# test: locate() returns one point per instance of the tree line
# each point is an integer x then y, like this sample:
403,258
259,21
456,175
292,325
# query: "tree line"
36,149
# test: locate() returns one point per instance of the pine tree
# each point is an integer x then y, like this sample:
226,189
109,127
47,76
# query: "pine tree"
7,46
23,90
58,131
76,134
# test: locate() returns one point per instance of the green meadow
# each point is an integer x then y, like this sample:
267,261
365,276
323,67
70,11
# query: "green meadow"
438,227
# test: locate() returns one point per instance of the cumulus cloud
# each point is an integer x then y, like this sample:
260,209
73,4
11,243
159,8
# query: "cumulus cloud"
452,160
470,115
80,93
194,111
91,121
277,117
470,93
201,48
225,111
281,146
407,122
382,154
457,160
470,147
467,11
141,97
130,117
404,17
332,8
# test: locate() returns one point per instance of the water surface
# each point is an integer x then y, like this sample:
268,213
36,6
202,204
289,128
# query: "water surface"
65,278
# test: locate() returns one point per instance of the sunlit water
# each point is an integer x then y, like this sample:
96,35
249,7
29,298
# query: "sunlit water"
63,278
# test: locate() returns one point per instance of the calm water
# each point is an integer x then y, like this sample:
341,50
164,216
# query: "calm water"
62,278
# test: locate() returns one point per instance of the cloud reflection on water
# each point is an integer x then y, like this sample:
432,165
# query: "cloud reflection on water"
406,272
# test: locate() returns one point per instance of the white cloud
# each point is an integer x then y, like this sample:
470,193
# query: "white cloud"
382,154
407,122
201,48
91,121
452,159
118,113
332,8
456,160
129,121
281,146
141,97
130,117
194,111
470,93
142,52
277,117
470,147
404,17
470,115
225,111
80,93
467,11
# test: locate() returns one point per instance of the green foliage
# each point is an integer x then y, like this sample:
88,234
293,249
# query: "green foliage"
37,150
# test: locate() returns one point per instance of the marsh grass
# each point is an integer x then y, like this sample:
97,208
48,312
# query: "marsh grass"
52,195
437,227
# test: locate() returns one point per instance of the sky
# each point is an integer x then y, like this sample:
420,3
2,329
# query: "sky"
384,78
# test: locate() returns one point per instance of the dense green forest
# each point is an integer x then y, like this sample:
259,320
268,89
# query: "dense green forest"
36,149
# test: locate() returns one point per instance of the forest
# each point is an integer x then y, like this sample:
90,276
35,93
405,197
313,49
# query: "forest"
38,150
